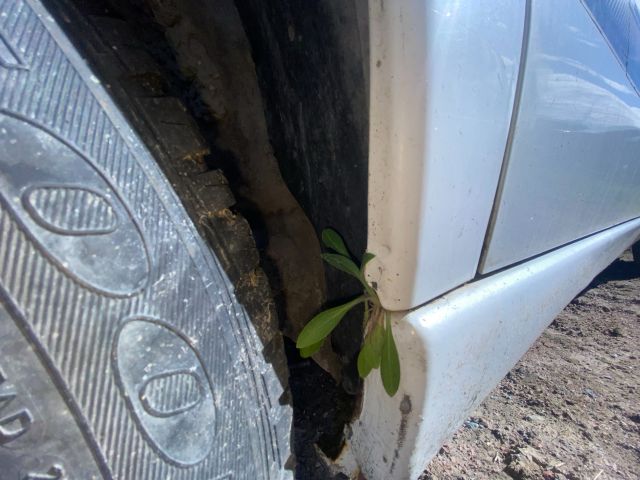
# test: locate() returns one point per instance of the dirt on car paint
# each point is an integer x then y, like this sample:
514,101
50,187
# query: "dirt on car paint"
570,409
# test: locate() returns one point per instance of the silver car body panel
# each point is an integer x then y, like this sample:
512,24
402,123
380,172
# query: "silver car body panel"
453,352
574,164
565,116
437,138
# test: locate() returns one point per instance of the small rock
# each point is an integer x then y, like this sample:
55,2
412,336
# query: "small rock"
521,468
614,332
587,435
534,402
535,455
527,435
471,424
480,421
534,418
590,393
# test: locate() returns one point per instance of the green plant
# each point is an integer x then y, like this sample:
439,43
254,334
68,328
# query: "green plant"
379,348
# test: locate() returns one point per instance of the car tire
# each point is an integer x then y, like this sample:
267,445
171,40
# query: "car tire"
125,351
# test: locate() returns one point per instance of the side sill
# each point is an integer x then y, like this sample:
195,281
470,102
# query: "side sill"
454,350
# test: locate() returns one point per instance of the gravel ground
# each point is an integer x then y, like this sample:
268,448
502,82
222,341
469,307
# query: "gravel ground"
570,409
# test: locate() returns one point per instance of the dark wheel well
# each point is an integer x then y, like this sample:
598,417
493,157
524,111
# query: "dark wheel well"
635,249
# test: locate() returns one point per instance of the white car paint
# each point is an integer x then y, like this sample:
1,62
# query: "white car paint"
566,199
574,163
437,138
454,350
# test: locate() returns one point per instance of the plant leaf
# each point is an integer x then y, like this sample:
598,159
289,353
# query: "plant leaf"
365,360
333,240
343,263
369,356
390,363
366,258
306,352
323,323
377,336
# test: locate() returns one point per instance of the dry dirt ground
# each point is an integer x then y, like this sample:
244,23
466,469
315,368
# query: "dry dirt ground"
570,409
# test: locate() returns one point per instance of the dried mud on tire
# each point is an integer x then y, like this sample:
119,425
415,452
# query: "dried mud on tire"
570,409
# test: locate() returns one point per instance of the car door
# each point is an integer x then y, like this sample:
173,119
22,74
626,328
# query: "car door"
571,166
